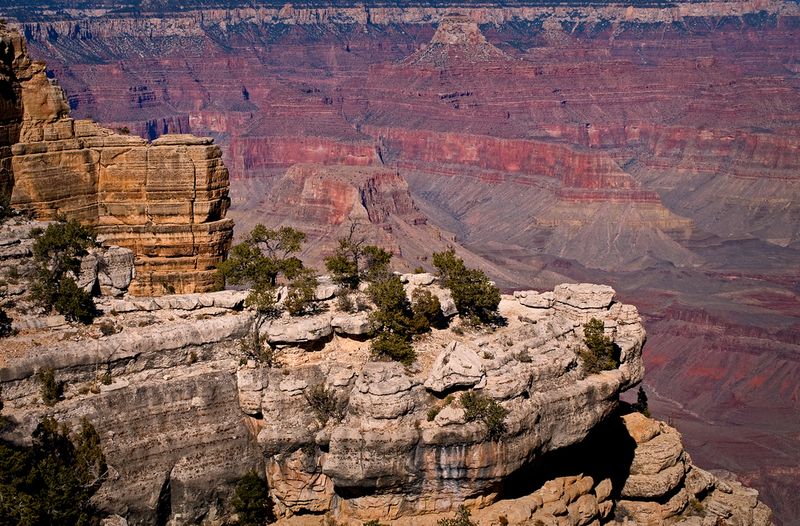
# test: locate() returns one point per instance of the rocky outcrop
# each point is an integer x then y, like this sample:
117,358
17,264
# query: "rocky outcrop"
336,432
457,41
664,487
165,200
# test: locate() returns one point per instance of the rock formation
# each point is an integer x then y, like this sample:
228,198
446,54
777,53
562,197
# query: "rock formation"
651,146
397,447
165,200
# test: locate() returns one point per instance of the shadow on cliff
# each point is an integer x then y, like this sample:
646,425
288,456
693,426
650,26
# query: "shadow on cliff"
606,452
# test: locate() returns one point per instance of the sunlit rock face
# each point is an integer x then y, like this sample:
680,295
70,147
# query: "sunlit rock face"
165,199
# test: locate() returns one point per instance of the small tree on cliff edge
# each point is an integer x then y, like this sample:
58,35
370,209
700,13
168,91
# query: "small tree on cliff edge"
601,353
474,295
258,262
57,254
260,259
354,261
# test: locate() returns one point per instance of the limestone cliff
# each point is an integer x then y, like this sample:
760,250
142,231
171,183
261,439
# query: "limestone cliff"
166,200
182,414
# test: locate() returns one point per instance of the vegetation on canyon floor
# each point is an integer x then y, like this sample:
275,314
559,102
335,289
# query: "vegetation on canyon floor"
51,390
462,518
6,324
251,501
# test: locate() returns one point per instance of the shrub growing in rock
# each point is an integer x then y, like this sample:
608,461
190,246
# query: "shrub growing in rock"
51,481
601,354
251,501
325,404
6,328
462,518
475,297
301,296
254,346
56,254
51,390
478,406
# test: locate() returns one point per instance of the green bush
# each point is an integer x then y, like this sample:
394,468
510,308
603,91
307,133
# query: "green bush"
302,294
478,406
325,404
475,297
50,390
251,501
427,311
601,354
354,262
462,518
394,347
393,319
392,309
74,303
56,254
51,481
6,325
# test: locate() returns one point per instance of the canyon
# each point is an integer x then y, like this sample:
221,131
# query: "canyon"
652,147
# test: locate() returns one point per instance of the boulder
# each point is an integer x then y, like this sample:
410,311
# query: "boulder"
456,366
357,324
298,330
657,454
533,299
584,295
326,289
115,270
640,428
418,280
384,391
656,485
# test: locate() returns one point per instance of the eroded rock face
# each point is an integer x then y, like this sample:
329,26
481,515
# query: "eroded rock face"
386,443
165,200
336,432
662,481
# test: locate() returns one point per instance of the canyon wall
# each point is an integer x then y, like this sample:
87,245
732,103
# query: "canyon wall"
166,199
651,146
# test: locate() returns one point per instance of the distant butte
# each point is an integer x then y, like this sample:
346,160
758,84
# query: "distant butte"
457,41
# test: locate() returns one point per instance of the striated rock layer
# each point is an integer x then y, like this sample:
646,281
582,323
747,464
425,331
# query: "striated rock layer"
166,200
652,146
396,447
